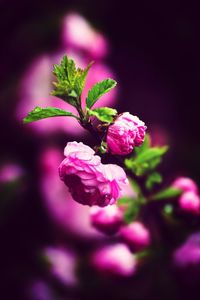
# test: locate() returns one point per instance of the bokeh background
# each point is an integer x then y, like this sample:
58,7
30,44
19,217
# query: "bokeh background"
153,52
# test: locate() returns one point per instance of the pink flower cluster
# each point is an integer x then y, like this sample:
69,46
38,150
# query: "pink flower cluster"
189,201
125,133
89,181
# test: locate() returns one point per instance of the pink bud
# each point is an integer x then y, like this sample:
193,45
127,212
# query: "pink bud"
114,260
136,235
125,133
185,184
62,264
188,254
190,202
107,219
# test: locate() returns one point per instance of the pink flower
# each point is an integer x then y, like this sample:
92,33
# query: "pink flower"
62,263
79,34
136,235
10,172
107,219
125,133
190,202
188,254
185,184
89,181
114,260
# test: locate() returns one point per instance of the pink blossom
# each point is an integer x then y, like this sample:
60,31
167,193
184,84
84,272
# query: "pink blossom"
188,254
185,184
10,172
125,133
190,202
62,209
114,260
62,264
97,184
79,34
106,219
136,235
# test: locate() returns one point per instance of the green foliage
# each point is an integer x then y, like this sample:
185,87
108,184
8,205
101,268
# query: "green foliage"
167,193
103,147
132,208
145,145
98,90
168,209
152,179
104,114
39,113
135,186
146,160
70,81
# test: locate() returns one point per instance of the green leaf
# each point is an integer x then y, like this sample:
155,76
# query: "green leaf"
104,114
145,145
98,90
132,211
167,193
168,209
146,161
153,178
39,113
135,186
70,81
125,200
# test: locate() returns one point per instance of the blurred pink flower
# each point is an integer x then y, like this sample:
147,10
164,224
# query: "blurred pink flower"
136,235
98,184
190,202
62,208
114,260
185,184
79,34
106,219
188,254
62,264
10,172
125,133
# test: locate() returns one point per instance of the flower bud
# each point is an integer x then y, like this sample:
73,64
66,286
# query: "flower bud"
107,219
190,202
62,264
136,235
188,254
114,260
125,133
89,181
185,184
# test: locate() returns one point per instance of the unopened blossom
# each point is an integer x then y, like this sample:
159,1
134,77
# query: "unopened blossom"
89,181
136,235
62,264
125,133
114,260
10,172
188,254
190,202
185,184
106,219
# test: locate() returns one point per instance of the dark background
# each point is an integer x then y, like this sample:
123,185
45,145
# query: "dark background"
156,56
